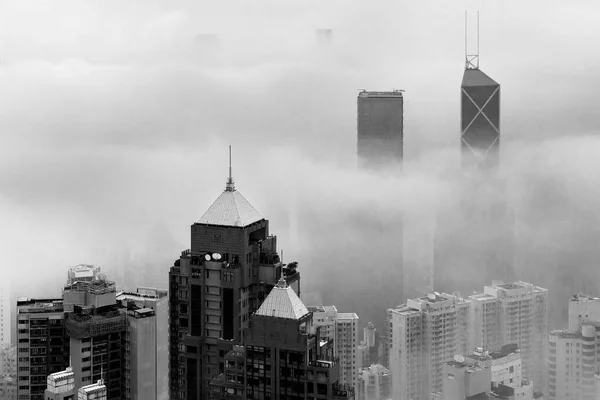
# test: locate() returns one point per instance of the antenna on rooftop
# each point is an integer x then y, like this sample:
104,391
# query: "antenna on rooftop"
471,60
230,187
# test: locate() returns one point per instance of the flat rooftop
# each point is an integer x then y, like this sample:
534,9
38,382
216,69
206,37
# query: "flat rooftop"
392,93
347,316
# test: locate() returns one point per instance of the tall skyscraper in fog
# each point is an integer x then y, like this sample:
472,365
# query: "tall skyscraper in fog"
380,129
215,286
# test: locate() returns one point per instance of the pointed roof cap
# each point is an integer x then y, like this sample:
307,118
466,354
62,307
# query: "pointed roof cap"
230,208
283,302
476,77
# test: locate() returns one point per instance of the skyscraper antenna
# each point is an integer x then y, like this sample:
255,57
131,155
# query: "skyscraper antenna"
471,60
230,186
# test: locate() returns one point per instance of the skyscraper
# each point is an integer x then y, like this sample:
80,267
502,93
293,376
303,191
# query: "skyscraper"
43,347
216,285
380,129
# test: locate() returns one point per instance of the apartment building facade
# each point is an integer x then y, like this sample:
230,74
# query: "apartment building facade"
425,333
42,348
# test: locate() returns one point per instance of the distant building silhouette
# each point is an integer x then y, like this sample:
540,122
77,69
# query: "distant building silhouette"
380,129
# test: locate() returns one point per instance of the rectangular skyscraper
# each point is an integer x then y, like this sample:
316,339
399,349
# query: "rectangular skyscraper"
380,129
480,120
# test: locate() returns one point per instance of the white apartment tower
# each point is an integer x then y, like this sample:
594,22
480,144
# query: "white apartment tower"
343,329
345,343
572,364
522,320
425,333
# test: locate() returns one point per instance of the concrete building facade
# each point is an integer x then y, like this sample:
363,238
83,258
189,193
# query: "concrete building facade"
42,347
380,129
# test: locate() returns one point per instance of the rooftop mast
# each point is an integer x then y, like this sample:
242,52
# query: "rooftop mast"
471,60
230,186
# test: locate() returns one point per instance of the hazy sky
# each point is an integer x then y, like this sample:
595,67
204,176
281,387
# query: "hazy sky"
114,118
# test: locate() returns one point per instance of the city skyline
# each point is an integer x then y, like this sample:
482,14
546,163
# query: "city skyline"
117,121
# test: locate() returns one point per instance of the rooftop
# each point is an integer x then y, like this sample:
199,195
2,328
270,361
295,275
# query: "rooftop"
584,297
347,316
393,93
476,77
231,209
283,302
315,309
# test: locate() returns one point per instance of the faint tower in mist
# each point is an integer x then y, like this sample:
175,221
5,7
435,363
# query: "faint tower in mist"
480,113
380,129
324,37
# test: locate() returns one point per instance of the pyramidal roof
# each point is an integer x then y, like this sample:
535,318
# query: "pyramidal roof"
283,302
476,77
230,208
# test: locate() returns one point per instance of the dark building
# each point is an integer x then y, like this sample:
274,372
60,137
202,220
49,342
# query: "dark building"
215,286
43,346
380,129
285,357
480,120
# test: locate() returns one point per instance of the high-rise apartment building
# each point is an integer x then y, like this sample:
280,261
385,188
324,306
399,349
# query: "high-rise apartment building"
573,361
485,322
574,353
97,329
345,342
215,286
374,382
42,347
523,320
380,129
147,343
425,333
343,329
285,355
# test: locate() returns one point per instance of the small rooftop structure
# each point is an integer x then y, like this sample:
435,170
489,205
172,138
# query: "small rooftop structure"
283,302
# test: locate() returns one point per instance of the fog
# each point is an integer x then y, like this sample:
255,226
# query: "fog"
116,118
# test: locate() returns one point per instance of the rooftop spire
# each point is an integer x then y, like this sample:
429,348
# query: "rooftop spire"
471,60
230,186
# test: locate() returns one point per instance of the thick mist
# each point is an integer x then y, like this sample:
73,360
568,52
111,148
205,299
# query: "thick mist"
116,119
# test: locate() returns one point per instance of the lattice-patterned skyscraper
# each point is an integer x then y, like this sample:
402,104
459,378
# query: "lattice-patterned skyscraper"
480,119
480,113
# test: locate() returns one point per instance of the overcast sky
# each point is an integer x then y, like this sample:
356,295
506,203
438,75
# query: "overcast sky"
115,118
